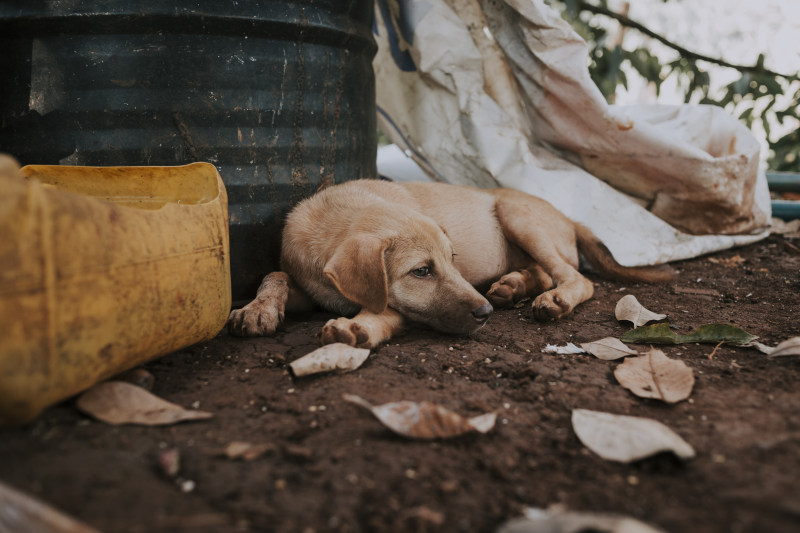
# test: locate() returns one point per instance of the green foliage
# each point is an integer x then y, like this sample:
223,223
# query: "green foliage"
755,97
708,334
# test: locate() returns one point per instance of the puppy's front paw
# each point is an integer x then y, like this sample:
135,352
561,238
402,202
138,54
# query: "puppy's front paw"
258,318
346,331
550,305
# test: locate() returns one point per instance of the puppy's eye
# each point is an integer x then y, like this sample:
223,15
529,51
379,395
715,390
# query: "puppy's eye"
421,272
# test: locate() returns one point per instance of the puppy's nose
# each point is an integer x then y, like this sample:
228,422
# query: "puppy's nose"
482,313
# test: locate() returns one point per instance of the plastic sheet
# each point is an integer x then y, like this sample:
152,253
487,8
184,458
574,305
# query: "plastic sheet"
498,94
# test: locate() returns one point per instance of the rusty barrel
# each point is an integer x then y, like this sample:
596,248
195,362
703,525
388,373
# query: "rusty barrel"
279,96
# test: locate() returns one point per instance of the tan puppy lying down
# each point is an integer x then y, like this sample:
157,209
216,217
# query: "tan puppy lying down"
384,253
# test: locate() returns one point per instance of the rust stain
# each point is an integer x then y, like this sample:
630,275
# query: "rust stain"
125,83
183,131
625,126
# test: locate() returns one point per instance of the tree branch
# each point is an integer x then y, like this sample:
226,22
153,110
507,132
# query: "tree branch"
625,21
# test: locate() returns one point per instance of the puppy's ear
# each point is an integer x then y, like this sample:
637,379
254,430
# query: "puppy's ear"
358,271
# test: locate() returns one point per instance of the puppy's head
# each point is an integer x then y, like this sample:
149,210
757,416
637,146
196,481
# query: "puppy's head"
406,263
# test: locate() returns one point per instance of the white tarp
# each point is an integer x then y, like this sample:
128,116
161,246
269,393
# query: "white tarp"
497,93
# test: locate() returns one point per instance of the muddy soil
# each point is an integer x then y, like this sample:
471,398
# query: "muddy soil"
329,466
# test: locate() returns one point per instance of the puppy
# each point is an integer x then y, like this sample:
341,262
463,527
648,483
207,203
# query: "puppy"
385,253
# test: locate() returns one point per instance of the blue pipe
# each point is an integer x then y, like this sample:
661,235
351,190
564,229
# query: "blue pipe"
784,182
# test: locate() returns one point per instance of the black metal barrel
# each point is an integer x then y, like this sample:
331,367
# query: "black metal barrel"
280,96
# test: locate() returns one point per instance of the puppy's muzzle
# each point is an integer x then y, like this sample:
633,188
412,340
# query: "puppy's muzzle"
481,314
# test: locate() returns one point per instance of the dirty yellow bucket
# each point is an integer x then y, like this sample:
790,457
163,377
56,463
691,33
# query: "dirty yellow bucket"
102,269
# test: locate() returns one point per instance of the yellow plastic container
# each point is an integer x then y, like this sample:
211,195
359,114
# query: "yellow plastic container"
102,269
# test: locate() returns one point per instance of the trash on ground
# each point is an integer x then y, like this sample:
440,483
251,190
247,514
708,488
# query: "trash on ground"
608,349
626,438
329,358
169,461
708,334
546,521
118,402
425,420
654,375
569,349
629,309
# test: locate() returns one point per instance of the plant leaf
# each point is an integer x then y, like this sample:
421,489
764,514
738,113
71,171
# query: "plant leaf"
608,349
628,308
654,375
626,438
329,358
424,420
119,402
708,334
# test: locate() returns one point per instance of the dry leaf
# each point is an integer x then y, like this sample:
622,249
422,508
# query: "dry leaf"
20,513
331,357
569,349
243,450
118,402
628,308
626,438
424,420
654,375
546,521
246,450
786,348
608,349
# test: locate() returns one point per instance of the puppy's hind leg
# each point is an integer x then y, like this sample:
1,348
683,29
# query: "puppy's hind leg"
518,285
549,238
261,317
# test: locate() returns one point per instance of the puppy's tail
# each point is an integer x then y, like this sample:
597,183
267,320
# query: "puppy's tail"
600,258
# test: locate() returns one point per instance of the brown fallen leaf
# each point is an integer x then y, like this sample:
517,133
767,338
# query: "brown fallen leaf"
628,308
424,420
654,375
784,349
21,513
608,349
329,358
119,402
626,438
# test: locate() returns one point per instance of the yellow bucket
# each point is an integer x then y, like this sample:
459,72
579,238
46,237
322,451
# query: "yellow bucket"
102,269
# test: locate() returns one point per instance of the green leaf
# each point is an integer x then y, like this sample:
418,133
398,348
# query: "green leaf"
708,334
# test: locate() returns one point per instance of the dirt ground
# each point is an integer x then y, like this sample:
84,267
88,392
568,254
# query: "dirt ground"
330,466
